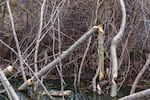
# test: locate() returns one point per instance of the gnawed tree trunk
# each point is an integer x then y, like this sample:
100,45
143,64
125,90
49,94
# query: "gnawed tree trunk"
52,65
101,53
9,89
114,43
8,70
100,69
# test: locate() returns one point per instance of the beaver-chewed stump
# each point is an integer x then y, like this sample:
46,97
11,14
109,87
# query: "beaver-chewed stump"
65,21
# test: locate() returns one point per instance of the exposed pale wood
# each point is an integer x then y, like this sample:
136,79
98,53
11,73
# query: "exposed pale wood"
8,70
9,89
52,65
101,52
58,93
29,82
100,69
114,43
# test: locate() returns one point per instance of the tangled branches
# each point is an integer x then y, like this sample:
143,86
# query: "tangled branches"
64,21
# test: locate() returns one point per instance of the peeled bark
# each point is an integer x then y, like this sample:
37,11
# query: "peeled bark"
9,89
101,53
114,43
8,70
53,64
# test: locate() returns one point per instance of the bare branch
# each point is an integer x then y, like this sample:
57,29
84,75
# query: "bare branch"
38,39
137,95
140,75
53,64
16,40
39,35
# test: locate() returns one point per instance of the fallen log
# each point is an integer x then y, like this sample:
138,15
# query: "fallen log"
9,89
53,64
137,95
57,93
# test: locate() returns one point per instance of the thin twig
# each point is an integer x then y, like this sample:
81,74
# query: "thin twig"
59,49
83,58
39,35
94,79
140,75
38,39
26,65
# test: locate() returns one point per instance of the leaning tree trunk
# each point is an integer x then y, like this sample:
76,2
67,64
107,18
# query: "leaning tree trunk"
52,65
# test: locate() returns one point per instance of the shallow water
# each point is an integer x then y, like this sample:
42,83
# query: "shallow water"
78,93
74,96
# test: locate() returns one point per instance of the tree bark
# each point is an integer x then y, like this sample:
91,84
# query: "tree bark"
137,95
114,43
10,91
52,65
140,75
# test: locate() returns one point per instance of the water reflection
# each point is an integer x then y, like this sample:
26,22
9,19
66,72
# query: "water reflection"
23,96
3,97
78,93
74,96
79,96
